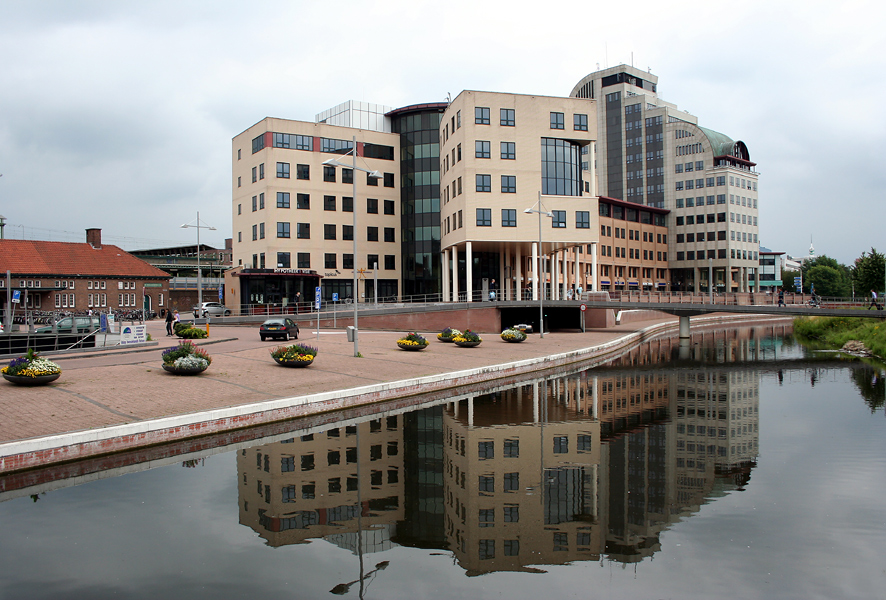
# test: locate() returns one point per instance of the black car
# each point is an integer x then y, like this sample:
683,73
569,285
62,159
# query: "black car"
278,327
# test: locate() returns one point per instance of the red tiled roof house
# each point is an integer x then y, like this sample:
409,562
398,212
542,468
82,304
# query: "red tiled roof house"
77,277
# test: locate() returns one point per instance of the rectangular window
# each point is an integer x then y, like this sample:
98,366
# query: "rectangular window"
582,219
329,173
303,260
303,231
372,261
347,232
508,151
329,203
389,180
390,265
261,231
347,175
508,217
283,170
329,231
507,116
282,199
557,120
389,207
302,171
508,184
283,260
261,171
347,261
481,115
282,230
372,206
347,204
370,180
261,201
559,220
580,122
254,203
303,201
372,234
329,261
484,217
389,234
255,232
484,183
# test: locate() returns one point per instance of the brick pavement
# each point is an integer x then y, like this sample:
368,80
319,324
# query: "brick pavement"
125,386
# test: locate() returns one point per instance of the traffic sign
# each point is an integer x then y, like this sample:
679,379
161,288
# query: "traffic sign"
335,296
317,297
16,296
583,307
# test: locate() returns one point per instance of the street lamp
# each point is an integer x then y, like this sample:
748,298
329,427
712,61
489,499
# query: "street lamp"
196,225
371,173
541,294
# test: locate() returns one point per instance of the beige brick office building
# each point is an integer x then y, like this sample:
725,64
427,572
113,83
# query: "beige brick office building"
500,154
293,216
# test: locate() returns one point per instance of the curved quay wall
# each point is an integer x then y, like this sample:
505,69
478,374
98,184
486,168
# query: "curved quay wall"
40,452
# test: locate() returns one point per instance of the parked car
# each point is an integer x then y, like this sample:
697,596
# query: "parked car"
65,324
211,309
523,327
278,327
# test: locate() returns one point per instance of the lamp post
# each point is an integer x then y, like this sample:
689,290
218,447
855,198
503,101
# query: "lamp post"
196,225
541,295
371,173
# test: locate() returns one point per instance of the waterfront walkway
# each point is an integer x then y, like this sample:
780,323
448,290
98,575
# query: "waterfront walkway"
106,396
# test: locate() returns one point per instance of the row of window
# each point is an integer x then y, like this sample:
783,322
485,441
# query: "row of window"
303,232
699,219
508,183
691,238
69,284
688,167
633,253
700,183
330,261
303,201
483,149
284,171
743,219
633,234
99,300
509,218
700,201
721,253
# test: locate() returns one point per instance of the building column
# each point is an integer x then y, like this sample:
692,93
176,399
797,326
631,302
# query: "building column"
454,251
555,276
445,260
566,265
469,271
594,279
518,275
502,274
535,271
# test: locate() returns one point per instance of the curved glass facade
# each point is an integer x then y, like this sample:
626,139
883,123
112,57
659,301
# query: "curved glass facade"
419,131
560,167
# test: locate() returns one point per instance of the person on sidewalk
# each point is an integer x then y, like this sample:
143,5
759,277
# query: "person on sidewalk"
781,296
873,301
169,320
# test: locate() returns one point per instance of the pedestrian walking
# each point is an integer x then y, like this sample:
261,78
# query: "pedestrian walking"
169,321
873,301
781,296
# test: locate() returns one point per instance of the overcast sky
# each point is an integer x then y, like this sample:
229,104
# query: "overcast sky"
119,115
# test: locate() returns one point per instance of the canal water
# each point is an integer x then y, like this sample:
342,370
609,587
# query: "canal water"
739,465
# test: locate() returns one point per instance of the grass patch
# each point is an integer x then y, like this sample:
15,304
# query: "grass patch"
836,331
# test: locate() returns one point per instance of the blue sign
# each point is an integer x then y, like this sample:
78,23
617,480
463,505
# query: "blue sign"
335,296
221,292
317,297
16,296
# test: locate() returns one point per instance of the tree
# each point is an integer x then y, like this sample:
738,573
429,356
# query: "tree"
868,273
833,279
787,278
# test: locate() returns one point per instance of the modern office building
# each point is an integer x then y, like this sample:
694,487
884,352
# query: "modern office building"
651,153
633,248
501,155
293,215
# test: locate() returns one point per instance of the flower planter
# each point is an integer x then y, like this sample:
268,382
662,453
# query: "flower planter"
31,381
514,340
448,340
177,371
293,363
404,346
468,344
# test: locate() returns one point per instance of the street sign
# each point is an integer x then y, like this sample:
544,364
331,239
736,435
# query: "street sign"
335,296
583,307
221,292
16,296
317,297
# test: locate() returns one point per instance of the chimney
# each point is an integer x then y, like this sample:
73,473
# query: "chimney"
94,238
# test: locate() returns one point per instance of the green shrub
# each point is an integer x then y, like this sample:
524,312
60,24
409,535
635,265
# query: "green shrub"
836,331
192,333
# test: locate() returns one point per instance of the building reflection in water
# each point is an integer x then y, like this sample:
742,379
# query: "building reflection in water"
580,467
